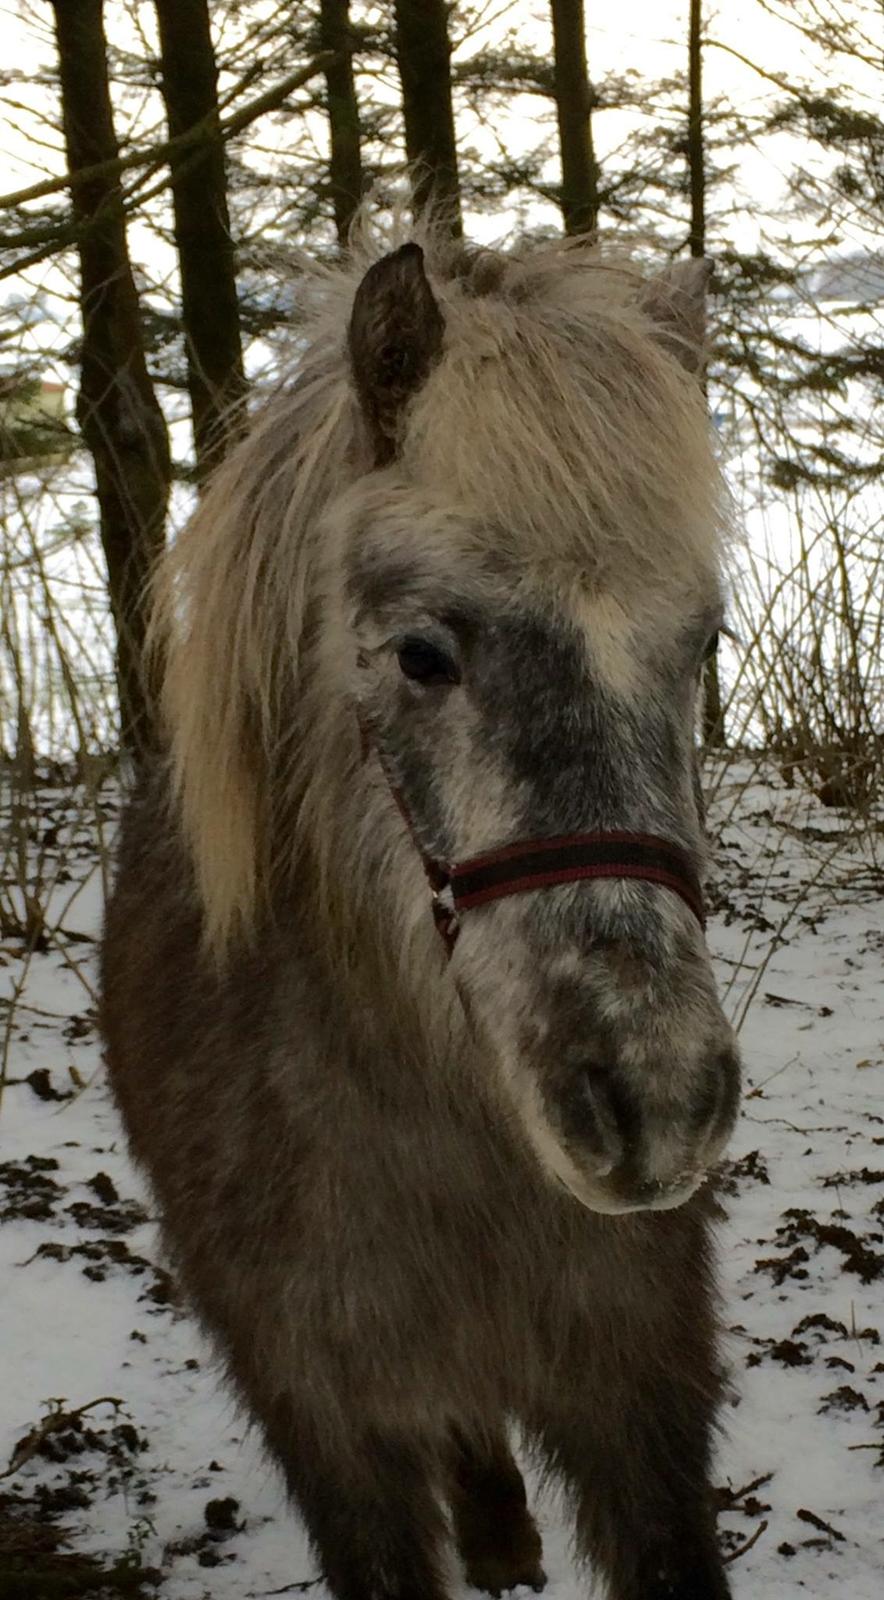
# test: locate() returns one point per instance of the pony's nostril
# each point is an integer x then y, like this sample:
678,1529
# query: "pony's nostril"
620,1108
594,1115
726,1069
716,1094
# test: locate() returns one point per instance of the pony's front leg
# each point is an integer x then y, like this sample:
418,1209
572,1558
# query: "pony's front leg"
370,1508
638,1483
630,1409
496,1535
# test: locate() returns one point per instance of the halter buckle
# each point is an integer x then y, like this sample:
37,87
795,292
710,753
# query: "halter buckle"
445,914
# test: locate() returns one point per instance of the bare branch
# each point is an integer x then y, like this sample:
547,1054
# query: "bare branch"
270,100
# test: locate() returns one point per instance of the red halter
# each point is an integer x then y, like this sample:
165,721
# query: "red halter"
539,863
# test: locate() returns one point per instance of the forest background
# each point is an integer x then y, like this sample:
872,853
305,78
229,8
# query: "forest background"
170,163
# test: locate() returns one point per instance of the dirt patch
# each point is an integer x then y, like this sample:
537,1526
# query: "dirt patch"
841,1180
750,1168
90,1458
121,1218
844,1399
29,1190
34,1564
787,1352
856,1251
102,1255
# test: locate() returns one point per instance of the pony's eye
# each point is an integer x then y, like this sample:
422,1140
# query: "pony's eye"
711,646
425,663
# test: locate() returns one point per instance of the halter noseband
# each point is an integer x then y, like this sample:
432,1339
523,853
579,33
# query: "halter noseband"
540,863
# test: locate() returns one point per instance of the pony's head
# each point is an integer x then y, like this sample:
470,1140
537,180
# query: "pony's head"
499,589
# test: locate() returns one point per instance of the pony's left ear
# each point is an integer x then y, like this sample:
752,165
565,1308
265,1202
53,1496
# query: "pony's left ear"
675,300
394,337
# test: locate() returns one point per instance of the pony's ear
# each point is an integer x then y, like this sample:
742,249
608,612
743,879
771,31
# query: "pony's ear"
676,301
395,336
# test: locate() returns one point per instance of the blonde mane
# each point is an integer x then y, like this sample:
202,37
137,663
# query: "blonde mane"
557,416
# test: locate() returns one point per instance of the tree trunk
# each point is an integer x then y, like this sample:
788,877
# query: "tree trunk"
696,137
117,408
210,313
343,115
713,708
423,52
579,194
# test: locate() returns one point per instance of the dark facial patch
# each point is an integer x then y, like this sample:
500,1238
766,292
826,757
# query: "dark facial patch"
581,757
545,717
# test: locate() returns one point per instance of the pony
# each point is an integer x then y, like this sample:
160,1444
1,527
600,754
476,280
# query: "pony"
432,640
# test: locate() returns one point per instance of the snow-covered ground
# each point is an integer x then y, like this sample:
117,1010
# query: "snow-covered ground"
122,1460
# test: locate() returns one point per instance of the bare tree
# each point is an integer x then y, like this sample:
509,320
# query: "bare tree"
345,153
215,377
423,52
117,409
696,132
579,194
713,709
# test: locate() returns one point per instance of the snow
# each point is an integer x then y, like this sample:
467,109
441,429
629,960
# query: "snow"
86,1318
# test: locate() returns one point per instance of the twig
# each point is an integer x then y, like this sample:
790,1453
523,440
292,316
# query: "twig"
757,1088
817,1522
57,1419
742,1548
287,1588
736,1495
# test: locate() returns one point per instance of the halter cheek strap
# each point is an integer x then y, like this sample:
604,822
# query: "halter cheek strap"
540,863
